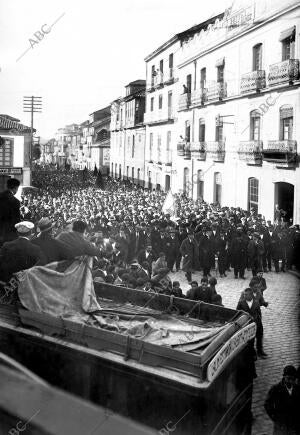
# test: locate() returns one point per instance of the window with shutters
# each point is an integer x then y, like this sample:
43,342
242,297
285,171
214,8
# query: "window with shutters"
220,74
152,104
6,153
187,131
254,125
253,193
151,147
288,47
201,130
159,148
203,78
160,101
286,122
257,57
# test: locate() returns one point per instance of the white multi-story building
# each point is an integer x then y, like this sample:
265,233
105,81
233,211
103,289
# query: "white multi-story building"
160,116
239,112
128,134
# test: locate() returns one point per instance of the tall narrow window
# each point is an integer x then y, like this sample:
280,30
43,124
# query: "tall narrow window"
254,125
168,148
218,187
286,122
153,74
132,173
257,57
200,184
202,78
160,101
159,148
287,39
6,153
170,104
186,184
187,131
219,132
161,66
127,172
151,146
220,73
133,147
171,58
201,130
189,83
253,193
152,104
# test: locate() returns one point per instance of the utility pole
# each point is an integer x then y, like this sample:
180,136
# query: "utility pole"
32,105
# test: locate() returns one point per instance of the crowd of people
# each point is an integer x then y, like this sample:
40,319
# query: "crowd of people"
136,245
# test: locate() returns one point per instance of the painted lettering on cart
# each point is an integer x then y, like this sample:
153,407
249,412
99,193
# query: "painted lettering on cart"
229,349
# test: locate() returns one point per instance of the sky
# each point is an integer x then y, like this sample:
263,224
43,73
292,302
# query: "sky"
93,49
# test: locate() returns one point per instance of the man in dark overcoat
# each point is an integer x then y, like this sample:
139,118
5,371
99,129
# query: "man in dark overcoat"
238,250
189,251
9,211
282,404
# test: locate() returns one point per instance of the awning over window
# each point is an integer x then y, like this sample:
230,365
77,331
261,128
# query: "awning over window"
287,33
8,124
220,62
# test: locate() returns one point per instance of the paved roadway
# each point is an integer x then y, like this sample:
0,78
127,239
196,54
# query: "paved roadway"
281,321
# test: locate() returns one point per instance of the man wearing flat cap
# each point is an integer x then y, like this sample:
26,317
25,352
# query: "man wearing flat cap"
53,249
20,254
282,404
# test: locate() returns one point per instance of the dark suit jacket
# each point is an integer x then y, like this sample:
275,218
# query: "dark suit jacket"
75,242
17,255
254,311
53,249
199,294
9,216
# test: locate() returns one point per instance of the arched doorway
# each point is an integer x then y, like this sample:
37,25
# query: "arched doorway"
284,197
217,187
167,183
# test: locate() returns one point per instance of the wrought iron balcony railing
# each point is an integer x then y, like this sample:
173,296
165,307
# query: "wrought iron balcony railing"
285,71
199,96
216,91
216,150
282,152
198,150
251,152
184,150
184,101
253,81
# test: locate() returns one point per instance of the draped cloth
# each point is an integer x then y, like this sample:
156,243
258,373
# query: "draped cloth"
59,288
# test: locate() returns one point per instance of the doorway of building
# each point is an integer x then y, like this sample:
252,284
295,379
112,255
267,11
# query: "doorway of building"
200,184
217,188
167,183
284,197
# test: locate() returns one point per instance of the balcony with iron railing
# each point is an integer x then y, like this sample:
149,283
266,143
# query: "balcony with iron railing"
159,117
216,150
216,91
169,77
198,97
184,150
282,72
251,152
198,150
281,152
184,101
253,81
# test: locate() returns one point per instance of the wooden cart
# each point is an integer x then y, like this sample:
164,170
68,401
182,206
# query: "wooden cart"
205,392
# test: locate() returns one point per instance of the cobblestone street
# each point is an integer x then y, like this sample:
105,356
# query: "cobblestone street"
281,332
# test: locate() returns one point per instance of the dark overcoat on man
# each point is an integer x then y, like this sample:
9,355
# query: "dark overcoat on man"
172,249
255,313
52,249
9,216
189,251
17,255
283,408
